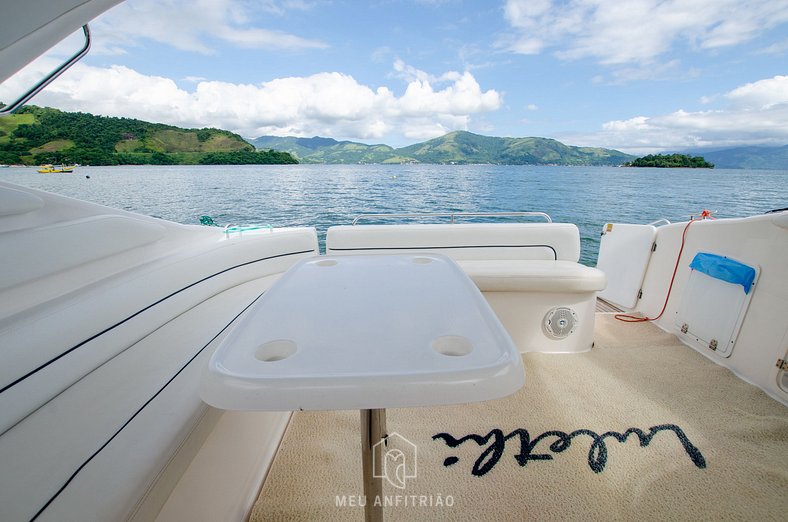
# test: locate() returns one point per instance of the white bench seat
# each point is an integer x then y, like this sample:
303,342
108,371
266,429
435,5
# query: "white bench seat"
533,276
142,405
106,320
482,241
525,271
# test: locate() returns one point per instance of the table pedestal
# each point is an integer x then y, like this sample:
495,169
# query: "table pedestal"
373,430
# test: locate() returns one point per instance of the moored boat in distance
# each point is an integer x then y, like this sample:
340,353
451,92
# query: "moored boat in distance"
56,169
669,403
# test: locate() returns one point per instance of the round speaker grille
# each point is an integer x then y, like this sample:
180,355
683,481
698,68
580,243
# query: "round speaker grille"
559,322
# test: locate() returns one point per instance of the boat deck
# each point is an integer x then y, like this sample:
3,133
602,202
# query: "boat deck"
603,306
640,427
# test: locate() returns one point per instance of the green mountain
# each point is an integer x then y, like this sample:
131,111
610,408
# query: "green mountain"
458,147
775,158
465,147
36,135
329,150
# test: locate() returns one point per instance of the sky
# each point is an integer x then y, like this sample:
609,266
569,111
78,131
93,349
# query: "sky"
640,76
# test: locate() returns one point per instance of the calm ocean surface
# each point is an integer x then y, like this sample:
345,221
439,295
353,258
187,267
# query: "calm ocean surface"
326,195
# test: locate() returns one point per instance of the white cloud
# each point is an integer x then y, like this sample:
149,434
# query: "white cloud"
776,48
328,104
617,32
192,25
761,95
464,96
410,73
756,115
670,70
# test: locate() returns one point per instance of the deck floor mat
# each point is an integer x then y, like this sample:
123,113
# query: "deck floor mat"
641,427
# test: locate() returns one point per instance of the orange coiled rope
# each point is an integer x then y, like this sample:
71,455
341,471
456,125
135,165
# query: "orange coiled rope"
627,318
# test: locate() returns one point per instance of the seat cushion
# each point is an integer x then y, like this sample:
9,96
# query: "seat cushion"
533,276
543,241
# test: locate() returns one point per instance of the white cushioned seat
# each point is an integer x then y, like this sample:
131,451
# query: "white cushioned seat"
484,241
524,270
533,276
13,201
100,385
70,244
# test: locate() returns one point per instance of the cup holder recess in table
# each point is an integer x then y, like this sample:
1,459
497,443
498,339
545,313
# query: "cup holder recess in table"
273,351
452,345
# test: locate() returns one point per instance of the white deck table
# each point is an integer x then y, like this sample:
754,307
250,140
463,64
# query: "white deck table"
365,332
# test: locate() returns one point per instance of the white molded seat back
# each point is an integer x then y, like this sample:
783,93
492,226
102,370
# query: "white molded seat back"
541,241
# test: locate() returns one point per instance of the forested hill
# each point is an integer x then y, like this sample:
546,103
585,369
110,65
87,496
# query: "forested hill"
329,150
466,147
36,136
459,147
671,161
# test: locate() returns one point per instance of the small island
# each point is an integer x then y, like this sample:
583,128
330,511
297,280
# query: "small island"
671,161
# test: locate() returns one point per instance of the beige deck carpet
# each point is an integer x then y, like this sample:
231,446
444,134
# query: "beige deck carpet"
712,446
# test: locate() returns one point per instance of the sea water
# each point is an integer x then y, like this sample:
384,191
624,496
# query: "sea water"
326,195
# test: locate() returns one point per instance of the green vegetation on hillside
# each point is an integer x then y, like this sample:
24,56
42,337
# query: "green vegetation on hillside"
245,157
36,136
458,147
671,161
327,150
464,147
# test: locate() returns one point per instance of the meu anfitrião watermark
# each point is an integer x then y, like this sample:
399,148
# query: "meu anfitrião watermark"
398,459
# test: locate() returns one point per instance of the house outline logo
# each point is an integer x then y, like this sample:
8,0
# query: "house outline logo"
398,463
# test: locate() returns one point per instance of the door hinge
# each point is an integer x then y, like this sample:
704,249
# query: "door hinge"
640,294
654,246
782,364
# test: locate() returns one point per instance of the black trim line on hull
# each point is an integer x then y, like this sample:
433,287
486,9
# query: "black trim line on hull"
87,461
135,314
417,248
